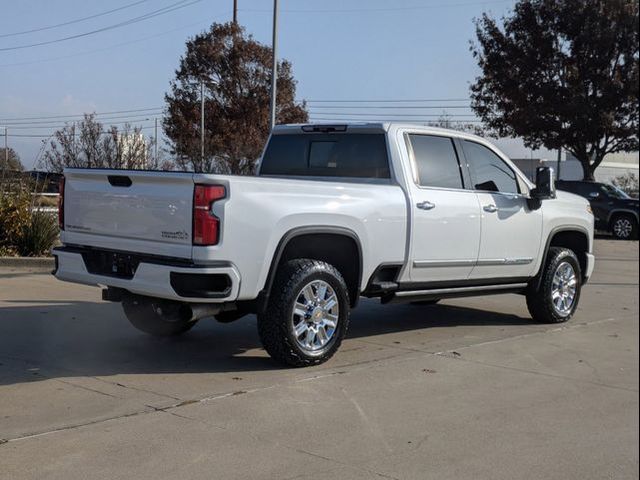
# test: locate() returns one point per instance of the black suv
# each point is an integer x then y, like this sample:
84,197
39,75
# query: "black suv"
614,210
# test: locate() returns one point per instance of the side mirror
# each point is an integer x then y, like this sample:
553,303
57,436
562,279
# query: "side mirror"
545,184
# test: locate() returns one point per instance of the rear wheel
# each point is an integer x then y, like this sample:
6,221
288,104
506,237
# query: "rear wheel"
307,315
624,227
161,318
556,299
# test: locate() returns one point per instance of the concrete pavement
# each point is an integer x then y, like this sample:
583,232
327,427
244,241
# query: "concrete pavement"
468,388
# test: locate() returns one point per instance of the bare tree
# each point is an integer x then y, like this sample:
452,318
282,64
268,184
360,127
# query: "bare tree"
88,144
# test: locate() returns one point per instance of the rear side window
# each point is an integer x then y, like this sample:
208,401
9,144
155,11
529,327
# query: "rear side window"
436,161
359,155
488,171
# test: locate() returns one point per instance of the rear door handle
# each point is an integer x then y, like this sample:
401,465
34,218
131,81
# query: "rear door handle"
426,205
490,208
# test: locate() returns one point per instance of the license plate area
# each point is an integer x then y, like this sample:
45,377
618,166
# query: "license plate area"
111,264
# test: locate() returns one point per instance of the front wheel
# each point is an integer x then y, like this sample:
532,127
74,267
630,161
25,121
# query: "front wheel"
307,315
624,227
556,299
161,318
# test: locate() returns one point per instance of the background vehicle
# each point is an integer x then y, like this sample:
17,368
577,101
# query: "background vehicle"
614,210
399,212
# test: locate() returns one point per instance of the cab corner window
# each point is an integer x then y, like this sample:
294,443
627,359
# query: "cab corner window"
436,161
489,172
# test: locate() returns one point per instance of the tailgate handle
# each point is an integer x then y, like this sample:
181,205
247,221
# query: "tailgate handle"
119,180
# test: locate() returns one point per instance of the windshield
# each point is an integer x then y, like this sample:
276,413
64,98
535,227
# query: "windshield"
614,192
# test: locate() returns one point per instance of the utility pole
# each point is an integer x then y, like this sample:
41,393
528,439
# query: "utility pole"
235,11
202,121
274,65
155,147
558,167
6,148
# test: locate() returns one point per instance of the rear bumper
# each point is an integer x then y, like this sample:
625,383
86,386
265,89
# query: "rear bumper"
194,283
591,263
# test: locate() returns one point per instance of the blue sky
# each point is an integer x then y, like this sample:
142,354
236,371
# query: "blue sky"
340,50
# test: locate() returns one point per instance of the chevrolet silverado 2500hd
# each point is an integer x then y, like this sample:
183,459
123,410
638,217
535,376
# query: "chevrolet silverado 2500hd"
400,212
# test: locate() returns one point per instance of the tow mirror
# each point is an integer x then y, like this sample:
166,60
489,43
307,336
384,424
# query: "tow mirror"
545,184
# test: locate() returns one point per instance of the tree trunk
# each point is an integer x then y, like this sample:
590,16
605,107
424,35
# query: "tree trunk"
589,168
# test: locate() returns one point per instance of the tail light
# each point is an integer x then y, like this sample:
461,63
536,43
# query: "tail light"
206,226
61,204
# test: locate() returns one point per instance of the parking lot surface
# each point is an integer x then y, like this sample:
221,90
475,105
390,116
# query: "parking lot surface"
465,389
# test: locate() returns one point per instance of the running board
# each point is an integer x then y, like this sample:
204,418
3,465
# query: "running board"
437,293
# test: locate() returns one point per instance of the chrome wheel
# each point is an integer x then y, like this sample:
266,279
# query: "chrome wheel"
563,290
623,227
315,316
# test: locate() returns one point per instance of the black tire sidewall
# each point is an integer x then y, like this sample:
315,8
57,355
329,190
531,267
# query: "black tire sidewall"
275,324
634,227
542,299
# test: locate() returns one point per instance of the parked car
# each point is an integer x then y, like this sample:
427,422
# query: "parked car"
398,212
614,210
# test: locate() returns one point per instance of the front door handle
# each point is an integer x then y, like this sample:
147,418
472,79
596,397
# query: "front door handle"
426,205
490,208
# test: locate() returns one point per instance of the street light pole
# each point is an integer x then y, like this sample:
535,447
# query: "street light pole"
274,65
202,122
559,158
155,147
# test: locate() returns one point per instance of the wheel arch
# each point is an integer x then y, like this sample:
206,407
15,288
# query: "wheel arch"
575,238
311,242
621,211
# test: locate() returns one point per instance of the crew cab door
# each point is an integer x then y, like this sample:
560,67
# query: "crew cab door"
445,229
511,231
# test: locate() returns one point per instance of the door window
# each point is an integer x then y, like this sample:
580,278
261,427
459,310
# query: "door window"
436,161
488,171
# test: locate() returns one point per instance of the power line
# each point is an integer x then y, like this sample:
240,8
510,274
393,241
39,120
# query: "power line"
155,13
58,127
81,115
121,44
24,135
389,119
70,22
394,106
389,9
99,119
416,100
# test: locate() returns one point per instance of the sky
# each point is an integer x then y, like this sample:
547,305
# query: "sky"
362,50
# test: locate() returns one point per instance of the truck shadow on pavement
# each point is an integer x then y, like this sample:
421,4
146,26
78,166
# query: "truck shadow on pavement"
65,339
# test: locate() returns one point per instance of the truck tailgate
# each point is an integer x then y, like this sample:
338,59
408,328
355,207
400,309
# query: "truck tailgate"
150,210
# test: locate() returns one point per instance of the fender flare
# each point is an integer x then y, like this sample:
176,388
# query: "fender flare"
623,211
264,294
565,228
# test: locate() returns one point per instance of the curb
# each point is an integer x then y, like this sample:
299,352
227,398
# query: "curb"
40,264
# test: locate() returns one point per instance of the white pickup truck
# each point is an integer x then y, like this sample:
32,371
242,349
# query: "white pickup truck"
400,212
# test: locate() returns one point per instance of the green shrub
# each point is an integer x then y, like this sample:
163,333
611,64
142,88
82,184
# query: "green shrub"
39,235
23,230
15,215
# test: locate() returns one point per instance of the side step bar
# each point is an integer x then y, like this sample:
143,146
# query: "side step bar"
416,295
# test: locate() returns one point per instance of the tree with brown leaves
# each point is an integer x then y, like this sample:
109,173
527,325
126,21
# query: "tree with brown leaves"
236,72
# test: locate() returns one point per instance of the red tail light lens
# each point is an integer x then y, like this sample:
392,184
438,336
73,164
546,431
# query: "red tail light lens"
61,204
206,226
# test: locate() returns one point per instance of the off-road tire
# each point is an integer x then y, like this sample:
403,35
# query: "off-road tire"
274,323
539,300
156,317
